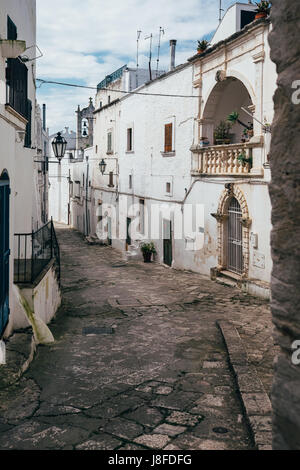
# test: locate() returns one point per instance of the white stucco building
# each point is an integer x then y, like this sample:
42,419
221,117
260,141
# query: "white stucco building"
26,268
167,158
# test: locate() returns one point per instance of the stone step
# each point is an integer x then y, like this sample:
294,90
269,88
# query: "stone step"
226,281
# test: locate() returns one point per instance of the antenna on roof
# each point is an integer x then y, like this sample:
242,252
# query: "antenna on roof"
161,32
150,54
137,55
220,11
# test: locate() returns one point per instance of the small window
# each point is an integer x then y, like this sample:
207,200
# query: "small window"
129,140
111,179
108,99
96,148
168,188
168,137
130,182
100,105
109,142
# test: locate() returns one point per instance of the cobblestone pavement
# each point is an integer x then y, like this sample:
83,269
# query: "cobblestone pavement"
138,362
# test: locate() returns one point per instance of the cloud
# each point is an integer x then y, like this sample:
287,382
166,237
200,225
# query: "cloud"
84,41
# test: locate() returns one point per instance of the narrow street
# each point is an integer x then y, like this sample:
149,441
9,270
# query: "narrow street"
138,361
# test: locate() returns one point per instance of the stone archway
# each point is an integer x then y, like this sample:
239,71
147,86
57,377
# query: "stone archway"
222,217
226,96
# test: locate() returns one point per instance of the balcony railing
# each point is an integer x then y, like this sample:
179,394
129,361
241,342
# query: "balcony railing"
232,159
34,252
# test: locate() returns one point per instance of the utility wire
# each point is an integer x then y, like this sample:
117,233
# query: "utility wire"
112,90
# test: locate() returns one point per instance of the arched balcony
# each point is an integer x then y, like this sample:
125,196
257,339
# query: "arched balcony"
227,133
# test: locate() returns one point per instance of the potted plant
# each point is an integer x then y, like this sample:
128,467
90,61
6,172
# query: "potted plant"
204,142
263,10
221,133
148,249
202,46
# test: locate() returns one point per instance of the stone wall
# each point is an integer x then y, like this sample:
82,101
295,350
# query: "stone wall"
285,196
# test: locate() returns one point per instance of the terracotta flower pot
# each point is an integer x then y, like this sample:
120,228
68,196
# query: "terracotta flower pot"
200,51
261,14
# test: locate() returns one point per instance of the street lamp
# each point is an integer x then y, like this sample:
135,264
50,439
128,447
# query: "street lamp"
59,145
102,166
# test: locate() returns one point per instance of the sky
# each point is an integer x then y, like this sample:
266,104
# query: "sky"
83,41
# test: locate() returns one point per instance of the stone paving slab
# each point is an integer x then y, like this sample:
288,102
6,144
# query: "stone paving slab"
161,381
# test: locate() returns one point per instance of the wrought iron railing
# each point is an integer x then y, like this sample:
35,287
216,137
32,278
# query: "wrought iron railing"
34,252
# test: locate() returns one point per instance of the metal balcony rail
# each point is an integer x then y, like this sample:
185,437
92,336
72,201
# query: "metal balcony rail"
34,252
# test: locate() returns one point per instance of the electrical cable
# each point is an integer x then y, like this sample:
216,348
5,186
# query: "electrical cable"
113,91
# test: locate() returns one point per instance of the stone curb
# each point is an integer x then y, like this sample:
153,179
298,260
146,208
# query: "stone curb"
255,401
20,352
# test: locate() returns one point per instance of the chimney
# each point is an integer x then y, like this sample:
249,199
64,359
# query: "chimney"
44,117
173,43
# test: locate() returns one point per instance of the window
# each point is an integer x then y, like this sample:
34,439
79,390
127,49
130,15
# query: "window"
96,148
130,182
168,137
129,140
108,99
109,142
16,81
111,179
168,188
142,216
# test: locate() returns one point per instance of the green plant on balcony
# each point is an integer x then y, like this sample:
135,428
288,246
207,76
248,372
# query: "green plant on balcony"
242,158
233,118
221,133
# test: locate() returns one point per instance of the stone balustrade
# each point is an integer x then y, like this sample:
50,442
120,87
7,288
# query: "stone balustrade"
222,159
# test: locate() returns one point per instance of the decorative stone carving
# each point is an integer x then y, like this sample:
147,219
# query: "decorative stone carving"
220,217
246,222
220,75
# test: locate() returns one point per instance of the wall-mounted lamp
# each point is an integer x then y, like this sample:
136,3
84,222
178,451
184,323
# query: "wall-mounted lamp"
59,145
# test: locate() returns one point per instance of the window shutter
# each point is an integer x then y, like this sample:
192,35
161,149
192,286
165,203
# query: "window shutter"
111,179
168,137
16,76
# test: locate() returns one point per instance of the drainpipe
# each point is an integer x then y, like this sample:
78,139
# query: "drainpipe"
173,43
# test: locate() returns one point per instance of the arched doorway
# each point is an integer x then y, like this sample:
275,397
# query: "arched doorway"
234,242
4,251
233,231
